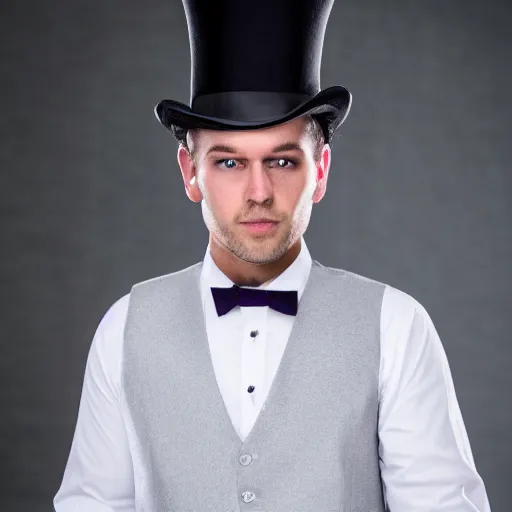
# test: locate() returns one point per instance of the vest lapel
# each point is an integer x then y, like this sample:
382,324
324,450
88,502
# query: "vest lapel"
310,311
195,330
312,304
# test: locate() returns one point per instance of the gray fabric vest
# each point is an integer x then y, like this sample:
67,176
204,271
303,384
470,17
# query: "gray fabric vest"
314,446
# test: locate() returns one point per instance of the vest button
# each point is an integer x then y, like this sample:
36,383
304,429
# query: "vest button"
245,459
254,334
248,496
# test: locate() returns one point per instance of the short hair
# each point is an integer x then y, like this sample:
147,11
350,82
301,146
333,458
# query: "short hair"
313,128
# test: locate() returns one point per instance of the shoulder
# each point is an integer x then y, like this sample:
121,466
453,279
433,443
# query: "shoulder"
106,352
395,300
411,348
347,275
401,309
350,286
398,308
405,324
112,323
176,278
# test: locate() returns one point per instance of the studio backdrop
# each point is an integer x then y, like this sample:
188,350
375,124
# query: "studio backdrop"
92,200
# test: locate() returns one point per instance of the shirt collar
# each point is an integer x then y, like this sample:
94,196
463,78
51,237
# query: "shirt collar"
293,278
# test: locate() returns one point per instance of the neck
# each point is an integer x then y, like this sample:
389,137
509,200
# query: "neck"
244,273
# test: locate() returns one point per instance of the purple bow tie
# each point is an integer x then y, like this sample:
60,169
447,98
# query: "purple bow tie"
227,298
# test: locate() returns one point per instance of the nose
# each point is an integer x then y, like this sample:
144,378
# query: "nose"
259,185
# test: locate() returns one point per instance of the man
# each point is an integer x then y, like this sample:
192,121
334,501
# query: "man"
258,379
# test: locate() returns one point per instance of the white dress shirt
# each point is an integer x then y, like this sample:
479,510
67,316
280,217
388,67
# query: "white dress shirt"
424,454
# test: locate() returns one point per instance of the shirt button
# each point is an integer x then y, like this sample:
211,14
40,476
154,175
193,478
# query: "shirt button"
248,496
254,334
250,389
245,459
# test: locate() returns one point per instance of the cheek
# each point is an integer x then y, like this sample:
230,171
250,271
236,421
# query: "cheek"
222,195
289,189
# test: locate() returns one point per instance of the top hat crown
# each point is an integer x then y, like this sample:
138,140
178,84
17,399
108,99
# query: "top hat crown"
254,64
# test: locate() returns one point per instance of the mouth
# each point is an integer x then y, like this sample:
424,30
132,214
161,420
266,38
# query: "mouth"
261,220
260,225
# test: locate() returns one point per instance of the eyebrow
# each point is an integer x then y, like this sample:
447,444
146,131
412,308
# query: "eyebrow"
287,146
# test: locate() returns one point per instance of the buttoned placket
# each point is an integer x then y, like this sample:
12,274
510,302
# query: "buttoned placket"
253,364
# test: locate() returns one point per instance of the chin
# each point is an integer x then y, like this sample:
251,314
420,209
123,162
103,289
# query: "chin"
263,250
258,259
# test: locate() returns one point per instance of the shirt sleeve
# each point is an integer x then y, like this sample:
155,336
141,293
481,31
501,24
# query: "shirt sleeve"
424,452
98,476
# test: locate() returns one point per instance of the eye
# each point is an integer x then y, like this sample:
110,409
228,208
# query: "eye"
282,163
230,163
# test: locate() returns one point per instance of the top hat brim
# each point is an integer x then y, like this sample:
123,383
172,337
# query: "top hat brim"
330,107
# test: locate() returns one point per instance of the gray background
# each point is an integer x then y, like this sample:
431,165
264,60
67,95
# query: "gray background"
419,196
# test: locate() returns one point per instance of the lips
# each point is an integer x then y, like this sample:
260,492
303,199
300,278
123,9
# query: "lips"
259,221
260,225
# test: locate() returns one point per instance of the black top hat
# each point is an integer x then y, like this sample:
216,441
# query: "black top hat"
256,63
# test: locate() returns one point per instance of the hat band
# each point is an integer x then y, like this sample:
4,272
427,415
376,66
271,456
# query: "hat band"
250,106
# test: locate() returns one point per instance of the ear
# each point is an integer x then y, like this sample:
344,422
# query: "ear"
322,173
188,172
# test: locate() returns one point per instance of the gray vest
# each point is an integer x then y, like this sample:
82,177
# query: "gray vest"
314,446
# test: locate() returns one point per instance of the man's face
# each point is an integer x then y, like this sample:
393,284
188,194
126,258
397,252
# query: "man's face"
256,187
